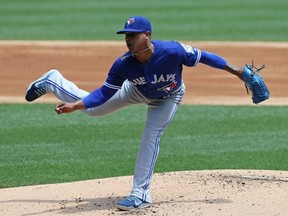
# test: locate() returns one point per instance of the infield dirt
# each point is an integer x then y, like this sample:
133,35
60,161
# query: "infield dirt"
217,192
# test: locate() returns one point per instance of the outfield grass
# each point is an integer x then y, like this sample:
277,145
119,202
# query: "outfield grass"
260,20
37,146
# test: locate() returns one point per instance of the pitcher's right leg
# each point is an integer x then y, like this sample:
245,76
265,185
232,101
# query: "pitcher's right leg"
54,82
65,90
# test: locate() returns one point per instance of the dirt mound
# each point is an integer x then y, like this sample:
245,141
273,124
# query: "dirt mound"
218,192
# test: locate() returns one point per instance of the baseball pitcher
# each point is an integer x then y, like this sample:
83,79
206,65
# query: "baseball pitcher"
149,73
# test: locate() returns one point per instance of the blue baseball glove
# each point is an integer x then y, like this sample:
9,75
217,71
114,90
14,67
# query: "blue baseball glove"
255,83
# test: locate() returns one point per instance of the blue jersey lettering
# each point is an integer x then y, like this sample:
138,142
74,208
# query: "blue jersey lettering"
139,81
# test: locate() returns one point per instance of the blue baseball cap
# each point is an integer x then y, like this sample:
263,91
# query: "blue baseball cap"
136,24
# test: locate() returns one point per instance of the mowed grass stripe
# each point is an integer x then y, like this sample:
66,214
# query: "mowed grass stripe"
207,20
37,146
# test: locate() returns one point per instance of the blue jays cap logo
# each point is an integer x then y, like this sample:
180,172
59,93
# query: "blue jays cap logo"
130,20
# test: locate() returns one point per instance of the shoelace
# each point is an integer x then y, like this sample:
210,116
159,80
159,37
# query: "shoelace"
40,91
131,198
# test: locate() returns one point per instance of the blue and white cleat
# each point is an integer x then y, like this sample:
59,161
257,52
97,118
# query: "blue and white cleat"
132,203
37,88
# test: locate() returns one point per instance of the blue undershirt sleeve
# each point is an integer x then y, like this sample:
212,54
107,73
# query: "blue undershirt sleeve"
98,96
212,60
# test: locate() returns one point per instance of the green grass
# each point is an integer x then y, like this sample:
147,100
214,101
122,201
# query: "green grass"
260,20
37,146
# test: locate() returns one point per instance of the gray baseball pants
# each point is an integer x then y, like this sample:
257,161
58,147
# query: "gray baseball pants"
160,113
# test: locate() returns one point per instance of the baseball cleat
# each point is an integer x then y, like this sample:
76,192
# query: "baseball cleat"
131,203
37,88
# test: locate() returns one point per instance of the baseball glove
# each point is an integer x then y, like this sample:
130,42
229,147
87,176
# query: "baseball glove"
255,83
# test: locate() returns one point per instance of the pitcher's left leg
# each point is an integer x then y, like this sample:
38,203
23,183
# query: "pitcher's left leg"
160,114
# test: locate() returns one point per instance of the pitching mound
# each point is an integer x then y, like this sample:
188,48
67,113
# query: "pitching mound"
218,192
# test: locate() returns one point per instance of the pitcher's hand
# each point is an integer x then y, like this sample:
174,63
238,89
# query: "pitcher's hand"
64,107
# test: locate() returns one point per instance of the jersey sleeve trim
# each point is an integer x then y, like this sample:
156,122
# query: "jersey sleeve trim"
198,57
112,86
192,55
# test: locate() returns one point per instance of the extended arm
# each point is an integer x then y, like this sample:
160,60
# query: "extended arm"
216,61
95,98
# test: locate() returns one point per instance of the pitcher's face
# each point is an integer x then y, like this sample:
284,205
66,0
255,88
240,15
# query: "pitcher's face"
137,41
